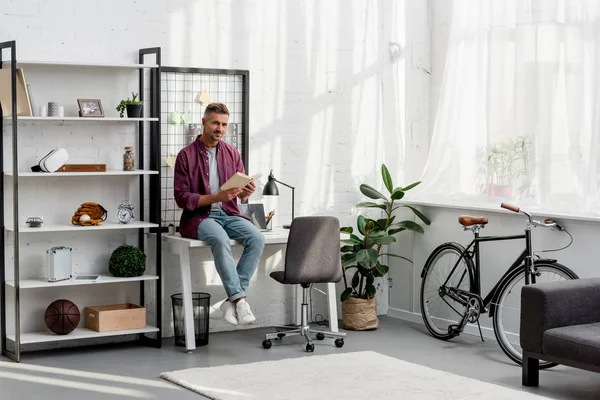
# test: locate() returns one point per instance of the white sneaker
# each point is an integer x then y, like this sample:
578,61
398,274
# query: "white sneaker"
244,314
229,313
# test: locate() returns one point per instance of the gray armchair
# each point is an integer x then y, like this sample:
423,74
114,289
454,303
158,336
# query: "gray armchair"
312,255
560,323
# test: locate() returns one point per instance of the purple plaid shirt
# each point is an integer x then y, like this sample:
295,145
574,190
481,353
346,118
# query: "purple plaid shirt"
191,181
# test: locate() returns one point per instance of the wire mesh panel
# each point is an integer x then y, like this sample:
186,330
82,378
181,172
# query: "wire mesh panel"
185,93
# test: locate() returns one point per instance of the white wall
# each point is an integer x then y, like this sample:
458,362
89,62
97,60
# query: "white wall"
328,102
496,257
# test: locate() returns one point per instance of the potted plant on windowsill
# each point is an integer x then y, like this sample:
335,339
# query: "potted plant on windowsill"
133,107
362,251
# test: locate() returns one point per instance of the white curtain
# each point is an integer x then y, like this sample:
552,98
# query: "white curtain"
518,115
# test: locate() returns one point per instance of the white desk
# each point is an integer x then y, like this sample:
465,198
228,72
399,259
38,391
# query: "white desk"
183,246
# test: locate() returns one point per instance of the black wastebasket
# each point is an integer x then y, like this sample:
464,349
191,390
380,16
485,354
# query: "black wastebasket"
201,305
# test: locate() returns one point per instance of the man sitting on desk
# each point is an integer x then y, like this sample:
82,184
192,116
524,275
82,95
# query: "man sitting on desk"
213,215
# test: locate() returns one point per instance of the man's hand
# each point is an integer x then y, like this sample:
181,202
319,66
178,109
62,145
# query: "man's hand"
227,195
247,191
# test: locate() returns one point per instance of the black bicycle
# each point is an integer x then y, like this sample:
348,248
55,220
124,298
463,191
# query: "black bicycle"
451,285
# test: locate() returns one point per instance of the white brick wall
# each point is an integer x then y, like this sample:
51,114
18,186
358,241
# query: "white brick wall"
328,104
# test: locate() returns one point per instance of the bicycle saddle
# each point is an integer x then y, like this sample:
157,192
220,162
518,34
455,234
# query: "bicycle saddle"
468,220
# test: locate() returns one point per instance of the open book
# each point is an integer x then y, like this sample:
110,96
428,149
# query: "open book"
239,180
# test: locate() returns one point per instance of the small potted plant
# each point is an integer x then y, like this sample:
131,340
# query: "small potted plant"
133,107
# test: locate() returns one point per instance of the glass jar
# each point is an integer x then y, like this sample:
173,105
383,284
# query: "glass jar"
128,159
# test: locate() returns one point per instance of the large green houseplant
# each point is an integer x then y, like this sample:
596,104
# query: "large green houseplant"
362,251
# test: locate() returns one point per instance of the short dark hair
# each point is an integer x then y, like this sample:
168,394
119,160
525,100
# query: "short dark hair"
217,108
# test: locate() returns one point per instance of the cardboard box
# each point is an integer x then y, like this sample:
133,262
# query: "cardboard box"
115,317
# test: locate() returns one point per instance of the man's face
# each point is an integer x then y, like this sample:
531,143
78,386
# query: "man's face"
215,126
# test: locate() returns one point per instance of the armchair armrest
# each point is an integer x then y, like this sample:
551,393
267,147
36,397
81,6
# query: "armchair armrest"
550,305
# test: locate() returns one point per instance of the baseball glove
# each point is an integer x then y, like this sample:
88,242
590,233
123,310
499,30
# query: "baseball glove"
94,211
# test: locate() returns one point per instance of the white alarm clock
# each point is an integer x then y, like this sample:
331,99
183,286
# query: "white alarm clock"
125,213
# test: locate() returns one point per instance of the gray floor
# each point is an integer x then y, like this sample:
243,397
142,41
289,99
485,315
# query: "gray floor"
130,371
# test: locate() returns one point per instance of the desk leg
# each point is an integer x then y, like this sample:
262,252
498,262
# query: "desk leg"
332,302
186,289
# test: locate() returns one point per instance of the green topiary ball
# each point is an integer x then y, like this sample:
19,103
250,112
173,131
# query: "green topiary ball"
127,261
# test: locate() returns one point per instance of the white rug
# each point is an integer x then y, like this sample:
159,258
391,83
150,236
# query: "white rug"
361,375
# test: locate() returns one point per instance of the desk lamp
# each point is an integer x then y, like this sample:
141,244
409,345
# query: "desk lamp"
271,189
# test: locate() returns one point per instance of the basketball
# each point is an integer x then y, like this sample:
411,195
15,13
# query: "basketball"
62,316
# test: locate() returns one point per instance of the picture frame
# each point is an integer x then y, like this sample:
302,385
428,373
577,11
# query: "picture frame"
24,108
90,108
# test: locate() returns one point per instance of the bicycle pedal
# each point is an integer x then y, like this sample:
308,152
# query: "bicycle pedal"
454,330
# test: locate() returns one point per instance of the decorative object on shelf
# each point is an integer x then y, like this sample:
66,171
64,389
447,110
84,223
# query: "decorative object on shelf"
82,168
90,108
43,111
359,306
61,111
23,102
171,229
62,316
125,212
89,213
52,109
59,265
271,189
127,261
34,222
128,159
133,107
52,161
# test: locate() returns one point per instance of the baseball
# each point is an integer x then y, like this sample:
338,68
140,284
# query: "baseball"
84,217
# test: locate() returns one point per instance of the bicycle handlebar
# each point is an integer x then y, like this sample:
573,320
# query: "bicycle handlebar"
548,223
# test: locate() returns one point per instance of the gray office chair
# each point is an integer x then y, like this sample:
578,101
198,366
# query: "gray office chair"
312,256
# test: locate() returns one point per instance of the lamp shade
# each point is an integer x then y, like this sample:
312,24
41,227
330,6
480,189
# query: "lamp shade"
271,188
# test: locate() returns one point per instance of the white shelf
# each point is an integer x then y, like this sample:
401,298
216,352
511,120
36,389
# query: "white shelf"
81,64
107,173
79,333
69,227
42,283
8,120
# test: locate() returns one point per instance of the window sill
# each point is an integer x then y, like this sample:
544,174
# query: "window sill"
494,207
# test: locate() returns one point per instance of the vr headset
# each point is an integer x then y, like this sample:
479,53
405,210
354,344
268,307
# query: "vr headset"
52,161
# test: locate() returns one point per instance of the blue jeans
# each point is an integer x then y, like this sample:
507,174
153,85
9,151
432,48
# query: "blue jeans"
218,229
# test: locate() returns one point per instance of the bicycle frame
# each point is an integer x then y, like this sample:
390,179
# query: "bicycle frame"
526,256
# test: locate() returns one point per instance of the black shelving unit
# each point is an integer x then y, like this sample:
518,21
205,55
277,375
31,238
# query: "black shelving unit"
148,132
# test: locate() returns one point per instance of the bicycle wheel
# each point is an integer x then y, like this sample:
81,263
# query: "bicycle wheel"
507,316
439,310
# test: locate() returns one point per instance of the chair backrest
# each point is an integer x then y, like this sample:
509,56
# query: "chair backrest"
313,251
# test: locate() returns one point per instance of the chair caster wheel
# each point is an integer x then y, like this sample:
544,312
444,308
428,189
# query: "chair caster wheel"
266,344
310,347
339,342
320,336
280,336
